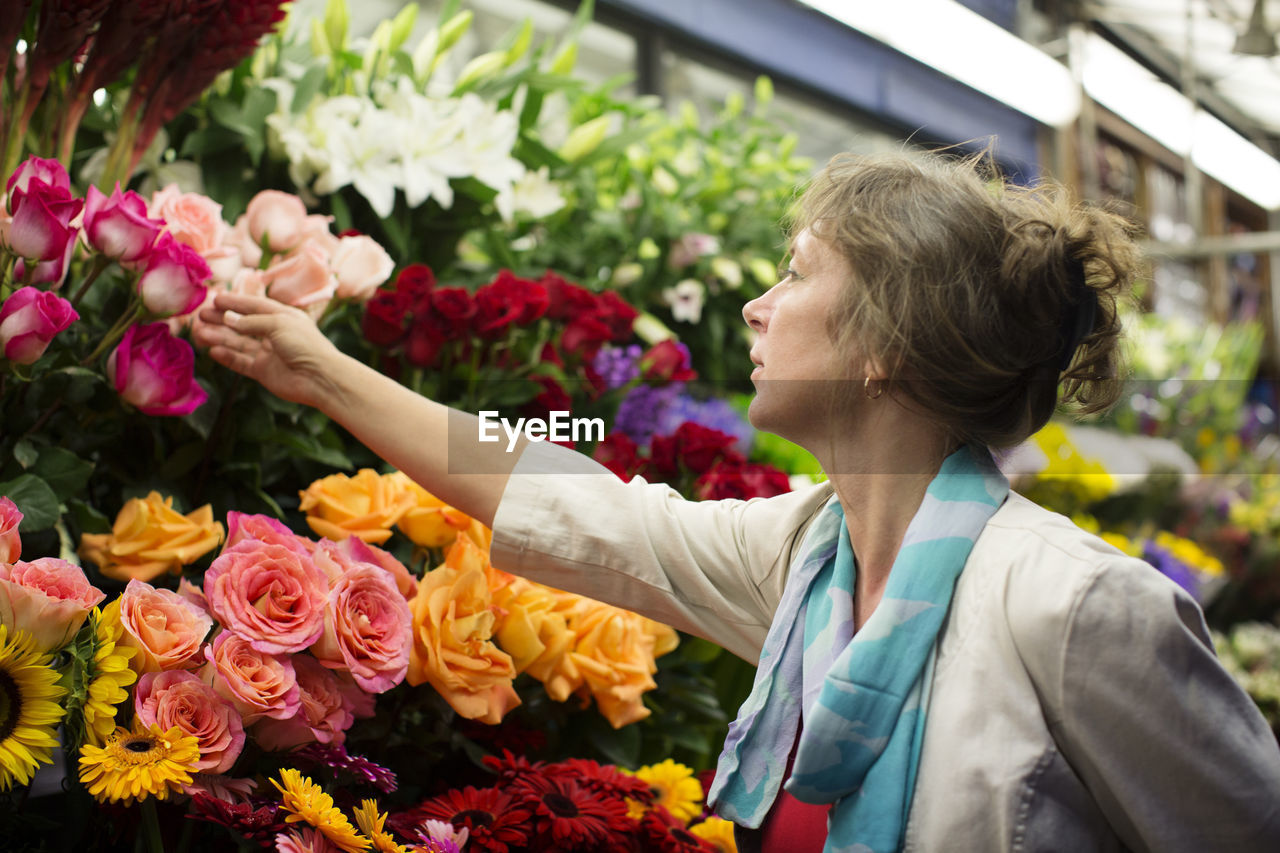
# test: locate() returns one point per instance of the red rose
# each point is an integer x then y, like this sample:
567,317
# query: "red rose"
416,279
615,313
619,454
564,300
384,317
498,304
667,361
584,335
741,480
454,309
664,459
699,447
425,341
553,398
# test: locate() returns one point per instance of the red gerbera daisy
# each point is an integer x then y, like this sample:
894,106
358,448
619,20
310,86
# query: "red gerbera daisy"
568,816
664,834
604,780
511,767
260,824
493,819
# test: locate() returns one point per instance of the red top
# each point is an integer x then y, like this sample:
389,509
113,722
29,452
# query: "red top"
791,825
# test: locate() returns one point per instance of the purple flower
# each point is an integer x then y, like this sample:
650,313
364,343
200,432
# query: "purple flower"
336,758
715,414
1173,568
618,365
641,410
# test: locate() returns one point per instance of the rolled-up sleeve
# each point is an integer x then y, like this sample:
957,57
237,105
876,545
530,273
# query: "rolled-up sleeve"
714,569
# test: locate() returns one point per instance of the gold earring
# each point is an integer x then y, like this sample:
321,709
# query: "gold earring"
866,389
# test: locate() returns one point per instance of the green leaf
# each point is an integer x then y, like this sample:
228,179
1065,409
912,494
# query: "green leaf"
310,448
25,452
307,88
38,503
182,460
210,140
64,472
206,414
341,212
88,519
620,746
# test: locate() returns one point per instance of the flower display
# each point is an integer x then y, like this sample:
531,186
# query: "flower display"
118,226
269,594
154,371
31,710
47,598
256,683
149,538
306,802
29,320
177,699
366,505
366,628
134,764
167,630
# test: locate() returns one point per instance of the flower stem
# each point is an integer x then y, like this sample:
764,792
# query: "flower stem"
132,313
17,133
151,827
98,266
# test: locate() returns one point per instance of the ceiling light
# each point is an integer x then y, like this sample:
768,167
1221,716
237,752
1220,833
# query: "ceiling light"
967,47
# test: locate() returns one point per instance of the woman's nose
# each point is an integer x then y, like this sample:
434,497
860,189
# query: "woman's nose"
755,313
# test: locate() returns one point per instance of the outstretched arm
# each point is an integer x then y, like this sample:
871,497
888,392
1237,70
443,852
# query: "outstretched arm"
438,447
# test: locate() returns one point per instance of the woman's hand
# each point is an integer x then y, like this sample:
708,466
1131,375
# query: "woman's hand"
276,344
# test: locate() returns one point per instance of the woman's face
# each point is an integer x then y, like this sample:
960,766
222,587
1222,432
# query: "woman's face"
797,365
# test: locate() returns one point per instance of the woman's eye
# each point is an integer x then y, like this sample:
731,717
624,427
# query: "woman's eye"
786,273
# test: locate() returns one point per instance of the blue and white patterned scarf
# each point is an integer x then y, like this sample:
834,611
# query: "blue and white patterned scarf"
864,696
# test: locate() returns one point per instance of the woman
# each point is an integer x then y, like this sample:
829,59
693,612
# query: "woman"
942,664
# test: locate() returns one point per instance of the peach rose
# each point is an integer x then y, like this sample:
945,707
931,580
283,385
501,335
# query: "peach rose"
181,699
325,710
277,220
10,542
429,521
302,279
48,598
614,652
257,684
150,537
270,594
366,628
224,263
360,551
192,218
453,650
239,238
366,505
167,630
360,265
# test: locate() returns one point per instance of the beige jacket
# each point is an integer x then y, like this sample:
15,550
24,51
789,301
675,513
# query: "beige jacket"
1077,704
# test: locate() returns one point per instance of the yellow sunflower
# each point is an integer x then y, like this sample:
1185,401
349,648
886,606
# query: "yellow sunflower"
29,707
307,801
109,675
139,763
717,832
675,787
371,823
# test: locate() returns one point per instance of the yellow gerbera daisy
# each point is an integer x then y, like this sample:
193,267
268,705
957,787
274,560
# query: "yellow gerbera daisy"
717,832
675,787
146,761
371,822
29,707
307,801
109,675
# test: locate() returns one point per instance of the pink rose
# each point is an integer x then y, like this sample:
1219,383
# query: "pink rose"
277,220
29,320
302,279
256,683
10,542
41,228
155,371
264,528
173,281
366,629
224,262
48,598
195,595
47,171
360,265
362,552
118,226
181,699
166,628
242,241
270,594
325,710
193,219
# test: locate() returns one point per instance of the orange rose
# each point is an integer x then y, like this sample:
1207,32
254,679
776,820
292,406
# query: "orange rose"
614,652
429,522
366,505
150,538
535,632
453,650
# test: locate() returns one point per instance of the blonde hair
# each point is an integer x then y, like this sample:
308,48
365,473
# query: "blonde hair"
982,300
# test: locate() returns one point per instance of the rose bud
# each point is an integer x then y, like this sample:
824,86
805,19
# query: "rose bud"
173,281
28,321
46,171
118,225
277,220
155,371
